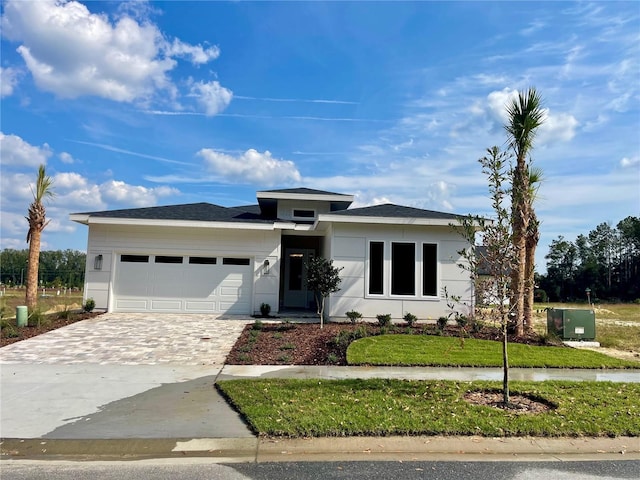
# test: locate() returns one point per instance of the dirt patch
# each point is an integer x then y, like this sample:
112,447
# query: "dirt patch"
518,404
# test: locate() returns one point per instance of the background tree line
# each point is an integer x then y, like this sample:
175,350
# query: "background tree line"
58,268
606,260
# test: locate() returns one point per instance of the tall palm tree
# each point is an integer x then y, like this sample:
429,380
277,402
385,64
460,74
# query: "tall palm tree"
525,114
37,222
532,237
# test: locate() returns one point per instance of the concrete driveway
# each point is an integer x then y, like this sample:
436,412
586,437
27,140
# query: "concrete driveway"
121,376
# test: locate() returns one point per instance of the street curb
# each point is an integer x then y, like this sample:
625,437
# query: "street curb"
242,450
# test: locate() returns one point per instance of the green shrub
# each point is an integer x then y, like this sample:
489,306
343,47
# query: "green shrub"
257,325
353,316
89,305
410,318
7,329
442,322
384,319
37,318
462,320
265,309
476,326
332,358
345,337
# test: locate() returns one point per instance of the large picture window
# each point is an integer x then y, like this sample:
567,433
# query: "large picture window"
429,269
403,269
376,268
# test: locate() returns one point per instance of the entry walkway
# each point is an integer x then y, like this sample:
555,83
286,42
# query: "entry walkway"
230,372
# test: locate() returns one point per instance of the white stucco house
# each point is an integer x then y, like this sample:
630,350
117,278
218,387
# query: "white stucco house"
205,258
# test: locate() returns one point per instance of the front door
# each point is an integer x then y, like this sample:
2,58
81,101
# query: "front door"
296,294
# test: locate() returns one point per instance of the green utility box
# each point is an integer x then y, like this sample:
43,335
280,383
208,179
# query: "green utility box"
571,323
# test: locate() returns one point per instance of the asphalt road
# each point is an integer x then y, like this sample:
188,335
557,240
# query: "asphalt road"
203,469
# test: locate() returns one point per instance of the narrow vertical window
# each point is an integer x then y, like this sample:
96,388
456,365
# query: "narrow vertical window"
429,269
376,268
403,269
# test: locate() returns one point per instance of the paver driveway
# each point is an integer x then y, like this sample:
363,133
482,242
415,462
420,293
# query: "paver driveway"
132,339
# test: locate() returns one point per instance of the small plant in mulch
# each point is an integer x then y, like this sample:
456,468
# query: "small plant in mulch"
442,323
265,309
384,319
353,316
410,318
89,305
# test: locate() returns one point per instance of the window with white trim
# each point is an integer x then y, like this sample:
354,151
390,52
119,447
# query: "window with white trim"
376,268
430,269
403,268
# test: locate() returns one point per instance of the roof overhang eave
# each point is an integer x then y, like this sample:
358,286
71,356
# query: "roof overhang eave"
93,220
438,222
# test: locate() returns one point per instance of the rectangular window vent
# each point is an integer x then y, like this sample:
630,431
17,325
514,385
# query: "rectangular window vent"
236,261
304,213
203,260
134,258
168,259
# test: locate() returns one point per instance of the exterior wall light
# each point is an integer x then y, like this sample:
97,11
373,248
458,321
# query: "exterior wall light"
265,266
97,262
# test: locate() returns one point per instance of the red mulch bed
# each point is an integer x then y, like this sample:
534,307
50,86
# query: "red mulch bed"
51,322
308,344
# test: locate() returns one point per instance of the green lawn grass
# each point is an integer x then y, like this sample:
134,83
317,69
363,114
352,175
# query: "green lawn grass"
320,408
431,350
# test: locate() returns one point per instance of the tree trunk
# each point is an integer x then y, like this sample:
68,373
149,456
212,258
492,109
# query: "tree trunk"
505,365
31,298
320,300
520,226
533,235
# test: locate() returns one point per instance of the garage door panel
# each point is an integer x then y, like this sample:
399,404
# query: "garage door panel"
133,305
183,287
191,306
167,305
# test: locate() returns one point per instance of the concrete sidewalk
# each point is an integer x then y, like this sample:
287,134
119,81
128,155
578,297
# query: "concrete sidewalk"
463,374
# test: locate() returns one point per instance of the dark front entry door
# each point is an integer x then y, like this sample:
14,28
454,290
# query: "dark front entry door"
296,294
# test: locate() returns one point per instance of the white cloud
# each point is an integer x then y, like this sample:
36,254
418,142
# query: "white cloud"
119,192
559,127
66,157
15,151
8,81
629,162
213,97
73,52
197,53
251,166
556,127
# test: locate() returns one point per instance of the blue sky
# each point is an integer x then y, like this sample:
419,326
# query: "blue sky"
156,103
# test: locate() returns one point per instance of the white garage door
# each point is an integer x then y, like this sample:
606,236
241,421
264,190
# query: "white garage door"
195,284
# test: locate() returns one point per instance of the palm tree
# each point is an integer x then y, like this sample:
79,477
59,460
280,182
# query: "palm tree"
525,116
37,222
532,237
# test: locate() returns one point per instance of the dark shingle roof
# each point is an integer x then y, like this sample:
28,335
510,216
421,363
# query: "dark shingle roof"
205,212
396,211
303,191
